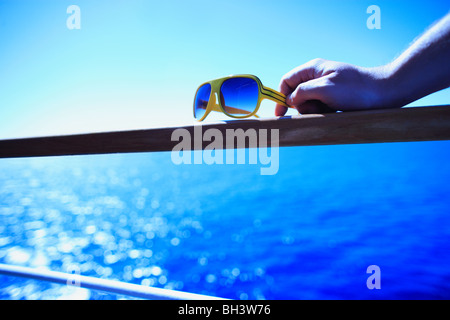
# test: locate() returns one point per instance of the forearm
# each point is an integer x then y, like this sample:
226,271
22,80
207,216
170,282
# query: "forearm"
423,68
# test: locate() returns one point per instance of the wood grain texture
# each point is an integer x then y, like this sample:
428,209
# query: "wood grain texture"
375,126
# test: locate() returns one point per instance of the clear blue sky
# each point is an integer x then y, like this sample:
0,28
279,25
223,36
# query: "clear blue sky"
137,64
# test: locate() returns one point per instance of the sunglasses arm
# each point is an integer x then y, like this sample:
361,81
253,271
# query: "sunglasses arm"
275,96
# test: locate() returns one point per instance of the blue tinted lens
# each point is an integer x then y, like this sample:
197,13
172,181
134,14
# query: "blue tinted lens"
201,100
239,96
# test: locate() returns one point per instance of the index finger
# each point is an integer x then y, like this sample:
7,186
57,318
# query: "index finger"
303,73
290,81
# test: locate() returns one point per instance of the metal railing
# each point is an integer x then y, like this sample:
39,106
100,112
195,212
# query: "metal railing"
111,286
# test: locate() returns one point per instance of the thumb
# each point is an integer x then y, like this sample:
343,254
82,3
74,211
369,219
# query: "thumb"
280,110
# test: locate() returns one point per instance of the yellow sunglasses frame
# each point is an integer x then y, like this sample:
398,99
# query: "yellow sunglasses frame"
215,103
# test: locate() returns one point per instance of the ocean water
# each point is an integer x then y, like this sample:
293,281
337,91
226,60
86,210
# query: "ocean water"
308,232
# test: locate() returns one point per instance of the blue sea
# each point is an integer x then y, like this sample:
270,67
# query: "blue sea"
308,232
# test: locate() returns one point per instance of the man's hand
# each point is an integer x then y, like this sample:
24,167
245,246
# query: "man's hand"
326,86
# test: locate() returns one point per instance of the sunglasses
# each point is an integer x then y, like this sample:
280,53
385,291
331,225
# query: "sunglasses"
237,96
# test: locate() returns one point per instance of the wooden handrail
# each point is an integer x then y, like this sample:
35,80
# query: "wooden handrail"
375,126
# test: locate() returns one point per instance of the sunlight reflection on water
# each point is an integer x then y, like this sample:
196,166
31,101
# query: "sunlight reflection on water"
228,231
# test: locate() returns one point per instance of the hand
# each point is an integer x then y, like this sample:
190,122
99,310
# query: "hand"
326,86
321,86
